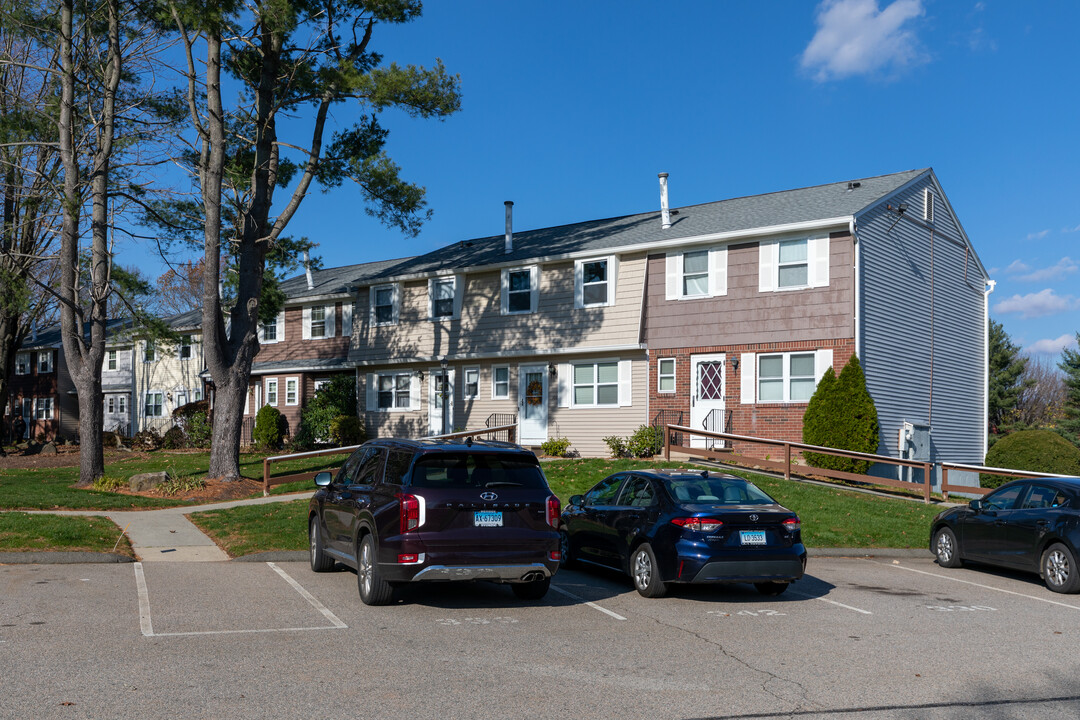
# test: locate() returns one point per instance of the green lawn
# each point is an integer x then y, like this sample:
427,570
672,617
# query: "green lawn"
831,517
53,488
22,532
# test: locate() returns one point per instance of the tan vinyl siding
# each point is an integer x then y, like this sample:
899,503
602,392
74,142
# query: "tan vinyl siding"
587,427
482,328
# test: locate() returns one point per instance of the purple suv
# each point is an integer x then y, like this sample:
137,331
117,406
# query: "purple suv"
402,511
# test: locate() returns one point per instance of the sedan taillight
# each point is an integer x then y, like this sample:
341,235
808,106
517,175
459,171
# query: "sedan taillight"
553,508
792,524
698,524
410,512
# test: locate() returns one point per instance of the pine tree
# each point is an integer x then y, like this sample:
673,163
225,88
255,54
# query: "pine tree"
1070,365
1005,378
841,415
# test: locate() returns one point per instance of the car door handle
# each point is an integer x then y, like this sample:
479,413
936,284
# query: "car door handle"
1042,523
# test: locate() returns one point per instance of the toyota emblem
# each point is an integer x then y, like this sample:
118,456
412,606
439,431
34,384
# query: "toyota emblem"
489,496
753,518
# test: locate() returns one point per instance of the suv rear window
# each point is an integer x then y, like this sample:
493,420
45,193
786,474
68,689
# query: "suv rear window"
475,470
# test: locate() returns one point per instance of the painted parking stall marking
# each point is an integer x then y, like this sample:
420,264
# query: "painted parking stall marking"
831,602
499,620
147,626
975,584
593,605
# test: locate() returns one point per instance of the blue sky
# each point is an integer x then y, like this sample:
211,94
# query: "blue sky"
570,109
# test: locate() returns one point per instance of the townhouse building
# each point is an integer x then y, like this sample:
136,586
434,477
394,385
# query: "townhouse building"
167,375
41,390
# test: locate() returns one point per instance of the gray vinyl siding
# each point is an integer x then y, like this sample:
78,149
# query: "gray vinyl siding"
923,350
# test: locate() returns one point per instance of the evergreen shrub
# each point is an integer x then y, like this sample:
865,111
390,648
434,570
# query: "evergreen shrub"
841,415
1035,450
269,428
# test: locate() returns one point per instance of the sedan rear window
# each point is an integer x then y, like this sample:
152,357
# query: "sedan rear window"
471,470
717,490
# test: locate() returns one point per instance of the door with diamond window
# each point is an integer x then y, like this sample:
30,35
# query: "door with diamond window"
707,390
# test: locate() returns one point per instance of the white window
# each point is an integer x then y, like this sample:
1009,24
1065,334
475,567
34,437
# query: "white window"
318,321
472,382
786,377
596,384
519,290
196,395
111,361
274,330
500,382
292,391
112,404
43,408
148,351
121,406
320,384
181,397
45,361
793,264
185,347
384,305
22,363
665,375
154,404
594,282
394,391
696,273
443,298
271,391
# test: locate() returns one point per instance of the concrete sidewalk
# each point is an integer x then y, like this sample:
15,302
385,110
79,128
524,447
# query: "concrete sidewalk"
164,535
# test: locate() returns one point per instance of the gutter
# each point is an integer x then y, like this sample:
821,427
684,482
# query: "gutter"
538,352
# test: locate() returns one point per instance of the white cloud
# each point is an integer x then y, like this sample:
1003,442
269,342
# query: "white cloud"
1038,235
1051,346
1039,304
1071,229
1017,266
855,37
1063,267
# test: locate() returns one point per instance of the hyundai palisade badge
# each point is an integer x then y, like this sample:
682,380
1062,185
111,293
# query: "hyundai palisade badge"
488,496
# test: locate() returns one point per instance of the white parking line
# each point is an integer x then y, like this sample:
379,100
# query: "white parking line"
831,602
979,585
593,605
147,625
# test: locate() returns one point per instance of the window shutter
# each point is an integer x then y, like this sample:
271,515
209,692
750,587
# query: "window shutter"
579,281
346,318
397,295
748,369
281,326
718,271
613,278
459,294
258,333
819,261
822,362
307,323
504,296
626,390
331,324
671,271
564,384
371,306
372,392
414,394
431,298
768,259
534,292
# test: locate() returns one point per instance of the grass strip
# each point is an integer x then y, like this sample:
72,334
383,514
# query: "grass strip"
256,528
21,531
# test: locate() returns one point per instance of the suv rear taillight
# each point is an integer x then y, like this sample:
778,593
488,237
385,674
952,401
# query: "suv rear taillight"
553,508
792,524
412,511
698,524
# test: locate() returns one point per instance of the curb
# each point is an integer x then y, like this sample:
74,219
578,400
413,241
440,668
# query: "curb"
43,557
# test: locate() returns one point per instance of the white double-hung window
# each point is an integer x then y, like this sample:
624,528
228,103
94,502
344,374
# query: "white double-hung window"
594,282
696,273
500,381
385,305
45,361
793,264
272,391
22,363
595,384
786,377
274,330
444,298
520,290
392,391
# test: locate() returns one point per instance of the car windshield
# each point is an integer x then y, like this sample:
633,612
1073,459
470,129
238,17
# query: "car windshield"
476,470
716,491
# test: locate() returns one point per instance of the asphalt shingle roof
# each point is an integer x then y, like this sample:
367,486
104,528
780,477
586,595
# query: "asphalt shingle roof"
332,281
745,213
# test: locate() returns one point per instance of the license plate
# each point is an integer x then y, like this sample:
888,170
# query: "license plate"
752,537
490,518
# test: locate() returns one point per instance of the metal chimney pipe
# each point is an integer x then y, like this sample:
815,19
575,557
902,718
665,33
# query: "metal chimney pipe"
665,213
509,247
307,271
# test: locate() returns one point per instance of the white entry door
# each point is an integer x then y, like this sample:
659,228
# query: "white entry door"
707,398
533,404
436,382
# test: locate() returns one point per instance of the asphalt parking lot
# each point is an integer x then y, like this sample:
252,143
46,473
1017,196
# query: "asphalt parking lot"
861,638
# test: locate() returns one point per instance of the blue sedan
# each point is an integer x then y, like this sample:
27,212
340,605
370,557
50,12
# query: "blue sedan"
684,526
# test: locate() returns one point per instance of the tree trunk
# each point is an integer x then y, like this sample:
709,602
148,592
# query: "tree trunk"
91,420
228,426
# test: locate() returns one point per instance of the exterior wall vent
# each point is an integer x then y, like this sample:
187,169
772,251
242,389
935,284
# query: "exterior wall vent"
928,205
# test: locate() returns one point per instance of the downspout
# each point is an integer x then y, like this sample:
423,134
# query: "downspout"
990,285
857,317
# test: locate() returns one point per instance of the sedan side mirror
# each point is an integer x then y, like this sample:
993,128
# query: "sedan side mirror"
976,505
323,479
577,500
